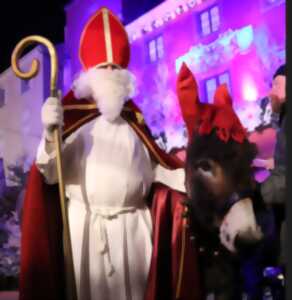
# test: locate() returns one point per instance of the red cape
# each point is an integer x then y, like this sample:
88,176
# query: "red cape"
174,268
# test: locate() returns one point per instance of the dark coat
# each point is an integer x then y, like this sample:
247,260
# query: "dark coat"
273,189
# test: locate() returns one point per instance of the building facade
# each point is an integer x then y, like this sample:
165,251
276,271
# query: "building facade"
20,108
239,43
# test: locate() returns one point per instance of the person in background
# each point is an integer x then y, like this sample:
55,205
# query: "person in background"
273,189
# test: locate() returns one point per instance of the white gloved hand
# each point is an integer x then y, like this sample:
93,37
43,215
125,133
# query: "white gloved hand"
52,116
174,179
239,219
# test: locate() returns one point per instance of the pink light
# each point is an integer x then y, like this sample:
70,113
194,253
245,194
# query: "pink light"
249,91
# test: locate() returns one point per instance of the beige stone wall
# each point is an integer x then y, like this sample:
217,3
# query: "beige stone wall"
20,123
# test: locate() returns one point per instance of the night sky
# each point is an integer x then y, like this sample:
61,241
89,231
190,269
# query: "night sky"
47,18
26,17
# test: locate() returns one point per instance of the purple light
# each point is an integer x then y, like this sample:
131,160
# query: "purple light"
249,90
244,37
248,46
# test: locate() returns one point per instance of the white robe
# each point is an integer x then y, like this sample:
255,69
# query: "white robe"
107,174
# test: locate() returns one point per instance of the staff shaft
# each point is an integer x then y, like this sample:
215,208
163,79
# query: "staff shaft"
71,291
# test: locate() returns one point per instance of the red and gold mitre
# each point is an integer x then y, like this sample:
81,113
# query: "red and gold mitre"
104,41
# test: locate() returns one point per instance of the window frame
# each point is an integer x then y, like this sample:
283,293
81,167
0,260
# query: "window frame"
211,21
216,77
157,52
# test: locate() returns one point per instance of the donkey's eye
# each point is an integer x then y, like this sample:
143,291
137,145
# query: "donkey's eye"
204,165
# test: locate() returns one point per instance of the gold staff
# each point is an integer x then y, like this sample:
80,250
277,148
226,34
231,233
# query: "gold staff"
69,267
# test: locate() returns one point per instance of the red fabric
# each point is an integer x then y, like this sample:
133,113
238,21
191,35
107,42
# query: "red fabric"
203,118
41,267
93,49
222,96
187,91
167,211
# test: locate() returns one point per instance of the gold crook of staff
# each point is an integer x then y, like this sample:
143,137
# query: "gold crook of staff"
69,267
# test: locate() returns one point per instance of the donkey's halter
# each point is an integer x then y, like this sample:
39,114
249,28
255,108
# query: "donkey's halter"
234,198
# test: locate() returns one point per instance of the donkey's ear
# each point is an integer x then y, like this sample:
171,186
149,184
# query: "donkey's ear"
187,92
222,96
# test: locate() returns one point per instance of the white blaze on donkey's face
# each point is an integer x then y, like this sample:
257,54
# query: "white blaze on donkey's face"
110,88
239,223
207,187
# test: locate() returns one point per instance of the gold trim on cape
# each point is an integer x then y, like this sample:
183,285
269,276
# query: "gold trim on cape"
182,258
79,123
149,145
79,107
136,128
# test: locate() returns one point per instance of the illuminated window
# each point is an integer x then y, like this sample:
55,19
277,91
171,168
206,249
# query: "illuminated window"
205,23
224,78
152,51
156,49
215,18
210,20
212,83
159,47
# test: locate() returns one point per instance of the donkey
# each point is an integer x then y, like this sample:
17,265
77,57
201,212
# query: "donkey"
232,228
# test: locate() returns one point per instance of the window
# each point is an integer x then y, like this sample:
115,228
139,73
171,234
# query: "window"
210,20
205,23
212,83
152,51
224,78
2,97
24,86
156,49
215,19
159,47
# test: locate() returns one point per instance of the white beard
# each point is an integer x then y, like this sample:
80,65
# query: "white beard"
109,88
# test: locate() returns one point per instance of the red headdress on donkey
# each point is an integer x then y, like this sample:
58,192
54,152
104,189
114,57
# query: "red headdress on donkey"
202,118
